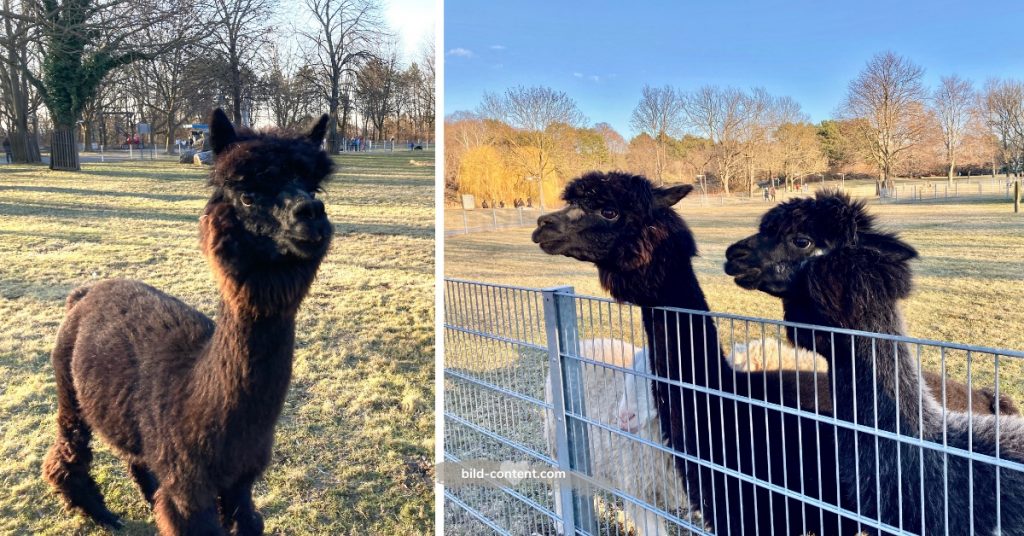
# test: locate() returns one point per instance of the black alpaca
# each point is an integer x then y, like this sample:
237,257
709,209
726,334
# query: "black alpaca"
189,404
643,249
830,266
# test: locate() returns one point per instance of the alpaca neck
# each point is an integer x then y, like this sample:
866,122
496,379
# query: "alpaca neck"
246,368
669,280
868,373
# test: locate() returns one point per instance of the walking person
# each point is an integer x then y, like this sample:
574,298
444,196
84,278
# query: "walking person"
8,155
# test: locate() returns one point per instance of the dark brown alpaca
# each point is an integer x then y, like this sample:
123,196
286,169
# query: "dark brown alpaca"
831,266
190,404
643,251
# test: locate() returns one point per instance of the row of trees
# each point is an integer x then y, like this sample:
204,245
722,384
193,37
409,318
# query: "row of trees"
527,141
76,68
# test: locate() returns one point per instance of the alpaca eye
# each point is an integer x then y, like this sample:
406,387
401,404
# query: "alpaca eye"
802,242
247,200
609,213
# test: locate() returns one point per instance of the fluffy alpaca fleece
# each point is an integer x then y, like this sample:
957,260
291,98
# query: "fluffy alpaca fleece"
831,266
191,404
642,248
770,353
616,460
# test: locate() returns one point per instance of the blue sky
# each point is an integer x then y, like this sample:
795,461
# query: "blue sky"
602,53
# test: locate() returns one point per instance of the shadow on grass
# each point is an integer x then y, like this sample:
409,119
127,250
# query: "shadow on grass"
345,229
102,193
66,211
148,174
48,292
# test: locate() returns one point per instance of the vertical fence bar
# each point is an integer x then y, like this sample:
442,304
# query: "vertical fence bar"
567,393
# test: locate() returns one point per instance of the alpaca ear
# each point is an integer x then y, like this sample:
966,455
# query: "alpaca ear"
891,248
666,197
319,130
222,133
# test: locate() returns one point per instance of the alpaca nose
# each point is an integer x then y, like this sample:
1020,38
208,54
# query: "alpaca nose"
308,209
547,219
737,251
627,420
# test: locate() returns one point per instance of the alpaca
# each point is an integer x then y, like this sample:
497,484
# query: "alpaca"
642,249
831,266
618,460
770,353
189,404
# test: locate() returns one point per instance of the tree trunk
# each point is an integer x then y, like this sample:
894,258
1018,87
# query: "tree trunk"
949,174
64,150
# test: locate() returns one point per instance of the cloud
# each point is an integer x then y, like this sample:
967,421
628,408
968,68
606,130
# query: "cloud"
498,47
594,78
461,52
578,75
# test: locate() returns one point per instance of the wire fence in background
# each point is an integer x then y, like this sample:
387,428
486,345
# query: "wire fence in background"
551,427
959,189
460,221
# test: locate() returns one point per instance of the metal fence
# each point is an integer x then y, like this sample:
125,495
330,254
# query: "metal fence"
960,188
538,382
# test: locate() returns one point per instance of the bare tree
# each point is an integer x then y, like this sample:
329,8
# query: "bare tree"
765,114
1003,105
953,103
240,30
719,115
888,95
18,97
377,87
342,37
800,150
659,114
163,83
530,113
291,98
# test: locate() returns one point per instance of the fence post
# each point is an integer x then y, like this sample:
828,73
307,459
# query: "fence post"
567,394
494,217
1016,195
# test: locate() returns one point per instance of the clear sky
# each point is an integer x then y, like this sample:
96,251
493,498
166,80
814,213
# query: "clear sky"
602,53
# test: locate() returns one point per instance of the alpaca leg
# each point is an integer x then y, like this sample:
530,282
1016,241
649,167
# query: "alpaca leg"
147,483
176,517
238,513
66,466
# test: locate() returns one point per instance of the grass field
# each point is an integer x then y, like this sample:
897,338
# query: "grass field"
969,279
353,449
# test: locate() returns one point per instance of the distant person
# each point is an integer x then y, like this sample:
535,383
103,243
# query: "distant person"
529,202
484,205
766,194
411,145
771,194
8,155
501,204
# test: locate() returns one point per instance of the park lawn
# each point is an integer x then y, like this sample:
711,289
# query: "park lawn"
354,445
969,281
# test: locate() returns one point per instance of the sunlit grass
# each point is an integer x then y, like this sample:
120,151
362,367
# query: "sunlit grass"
354,444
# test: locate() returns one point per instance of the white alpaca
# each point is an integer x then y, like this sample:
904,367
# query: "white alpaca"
638,470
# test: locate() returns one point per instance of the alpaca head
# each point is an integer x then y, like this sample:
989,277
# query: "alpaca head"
263,211
614,220
636,406
796,235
